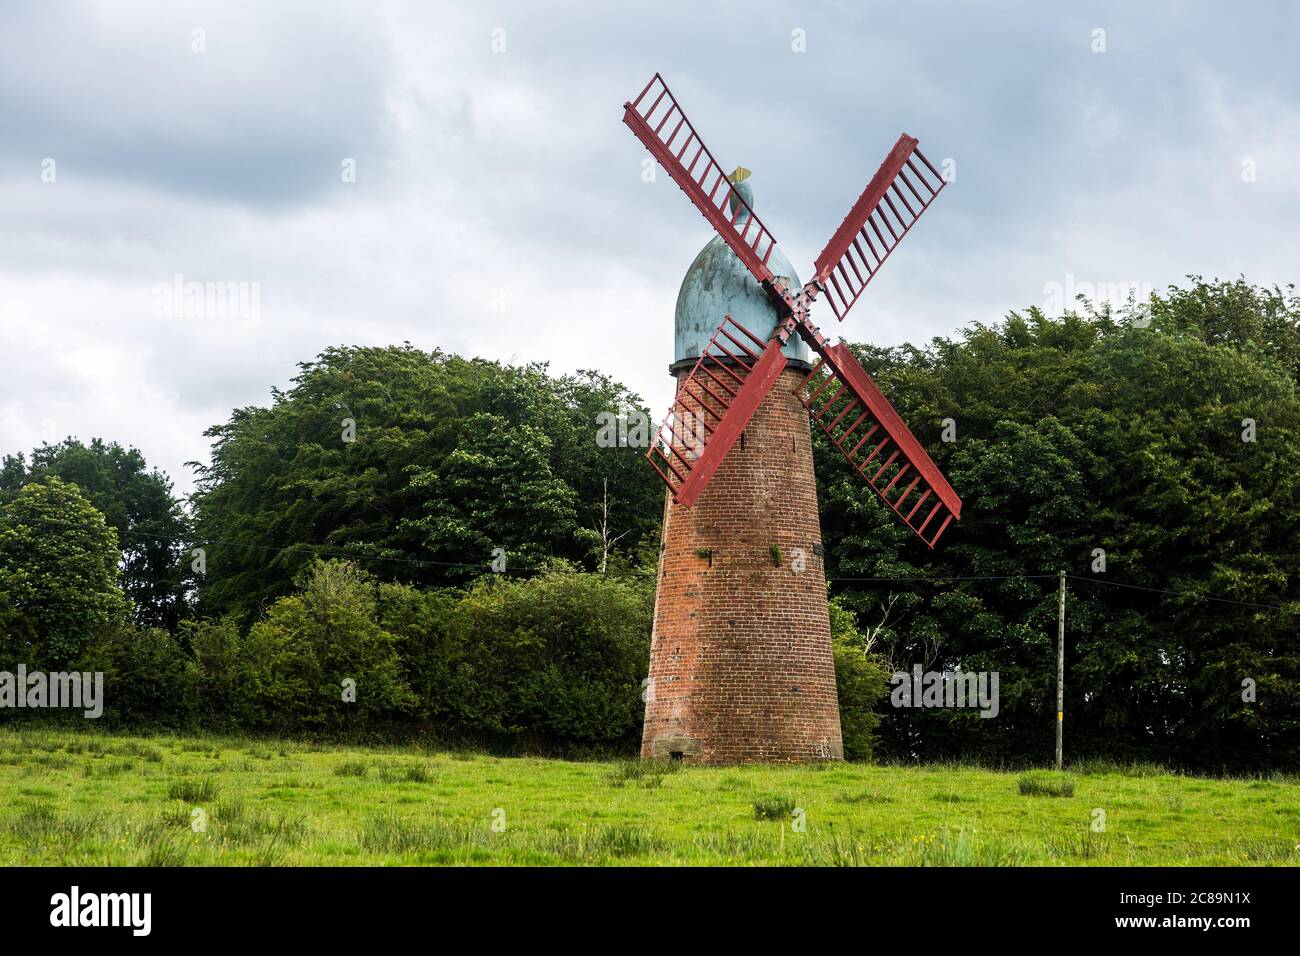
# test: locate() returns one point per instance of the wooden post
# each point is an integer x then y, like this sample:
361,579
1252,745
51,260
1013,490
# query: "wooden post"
1060,669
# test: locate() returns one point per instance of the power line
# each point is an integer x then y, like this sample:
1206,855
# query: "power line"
314,550
1188,594
969,577
1076,577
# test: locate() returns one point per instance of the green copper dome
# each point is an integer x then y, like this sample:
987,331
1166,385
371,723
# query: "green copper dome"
717,284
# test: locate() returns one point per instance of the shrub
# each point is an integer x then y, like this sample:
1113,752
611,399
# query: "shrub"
773,808
289,669
216,645
148,677
404,773
647,774
58,575
1046,783
561,654
861,680
191,790
558,657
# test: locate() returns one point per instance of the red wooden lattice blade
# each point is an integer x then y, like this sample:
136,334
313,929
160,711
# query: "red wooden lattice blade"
902,188
732,376
845,401
658,121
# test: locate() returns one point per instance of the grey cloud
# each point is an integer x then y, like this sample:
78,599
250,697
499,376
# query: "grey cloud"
481,171
263,116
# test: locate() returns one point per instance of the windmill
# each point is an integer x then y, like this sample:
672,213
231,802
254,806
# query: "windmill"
741,664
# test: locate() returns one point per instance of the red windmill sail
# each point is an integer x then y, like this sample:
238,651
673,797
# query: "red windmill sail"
713,405
737,369
876,224
660,124
845,401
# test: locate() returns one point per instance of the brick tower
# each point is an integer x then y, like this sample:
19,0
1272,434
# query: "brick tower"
740,659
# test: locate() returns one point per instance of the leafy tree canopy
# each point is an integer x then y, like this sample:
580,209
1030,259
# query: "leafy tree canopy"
135,501
58,574
418,465
1096,431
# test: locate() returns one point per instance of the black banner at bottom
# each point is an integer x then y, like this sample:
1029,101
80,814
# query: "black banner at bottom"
338,904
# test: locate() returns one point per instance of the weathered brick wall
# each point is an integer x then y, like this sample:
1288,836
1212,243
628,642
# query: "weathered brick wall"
740,662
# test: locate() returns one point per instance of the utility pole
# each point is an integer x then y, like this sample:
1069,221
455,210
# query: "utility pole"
1060,669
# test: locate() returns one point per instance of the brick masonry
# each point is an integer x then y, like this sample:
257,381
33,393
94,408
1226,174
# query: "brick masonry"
740,659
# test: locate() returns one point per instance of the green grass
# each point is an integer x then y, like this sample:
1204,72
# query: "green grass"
773,808
1046,783
84,799
192,790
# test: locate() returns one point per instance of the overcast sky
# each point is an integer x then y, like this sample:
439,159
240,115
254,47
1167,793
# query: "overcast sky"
498,207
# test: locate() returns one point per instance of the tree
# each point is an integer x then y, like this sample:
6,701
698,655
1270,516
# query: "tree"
136,502
320,656
149,679
285,484
861,679
58,574
606,537
561,654
495,493
1087,437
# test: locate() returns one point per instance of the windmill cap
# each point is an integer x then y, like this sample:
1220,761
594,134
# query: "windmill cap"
718,283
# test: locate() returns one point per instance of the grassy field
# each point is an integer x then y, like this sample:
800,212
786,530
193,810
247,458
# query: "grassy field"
80,799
